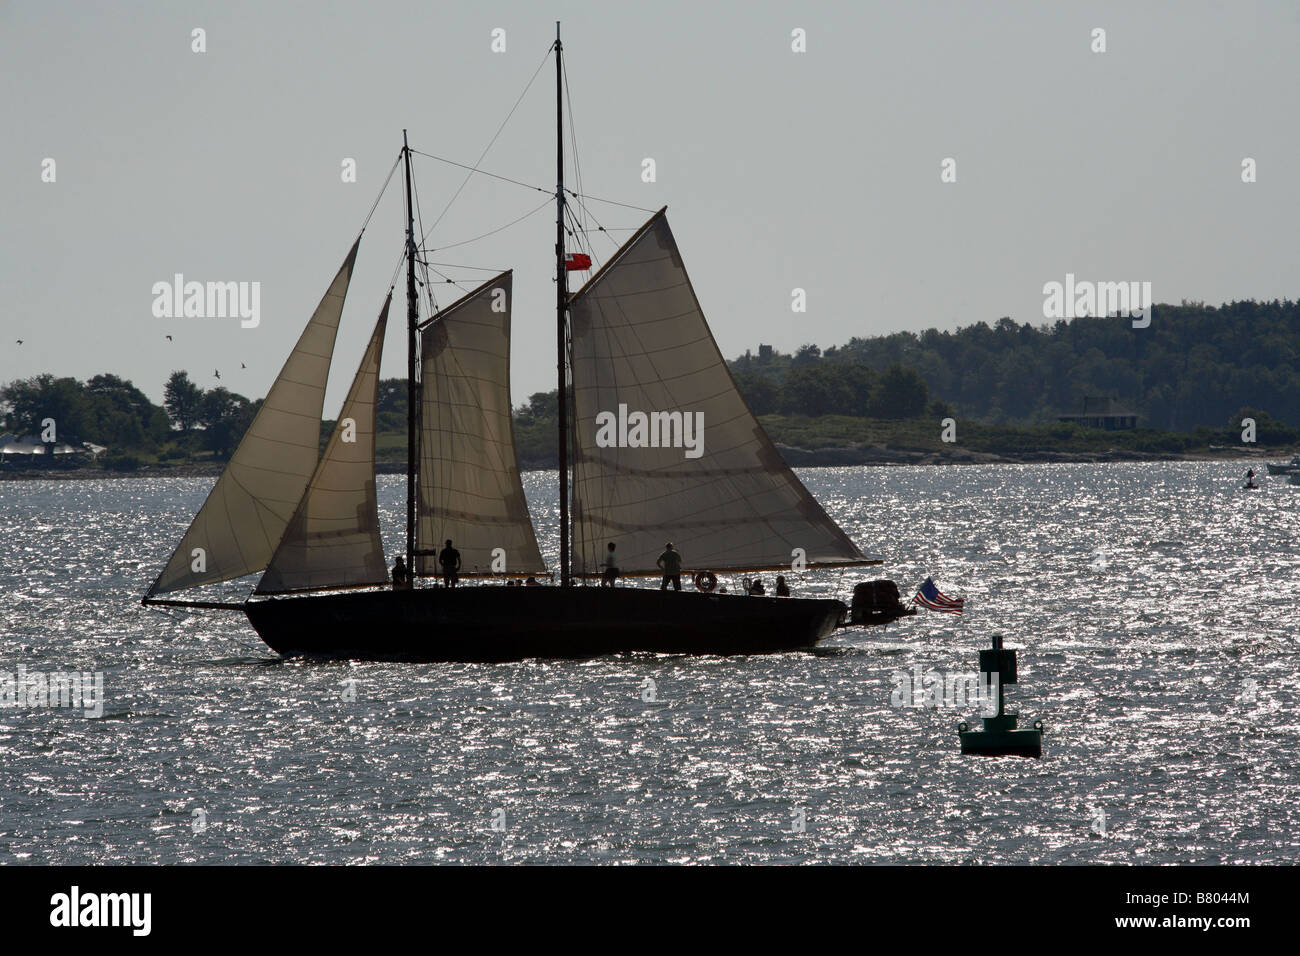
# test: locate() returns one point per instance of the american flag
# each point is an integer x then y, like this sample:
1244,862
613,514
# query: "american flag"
931,597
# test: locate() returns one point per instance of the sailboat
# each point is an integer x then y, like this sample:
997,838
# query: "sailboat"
656,444
1284,468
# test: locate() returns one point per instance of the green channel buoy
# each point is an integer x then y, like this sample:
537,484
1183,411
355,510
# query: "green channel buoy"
1000,736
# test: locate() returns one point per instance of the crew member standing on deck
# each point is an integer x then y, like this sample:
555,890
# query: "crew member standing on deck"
611,569
670,562
401,575
449,558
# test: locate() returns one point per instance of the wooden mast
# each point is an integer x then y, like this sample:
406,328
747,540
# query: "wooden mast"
561,304
412,387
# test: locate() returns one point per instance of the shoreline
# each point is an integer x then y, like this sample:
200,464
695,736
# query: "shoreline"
795,457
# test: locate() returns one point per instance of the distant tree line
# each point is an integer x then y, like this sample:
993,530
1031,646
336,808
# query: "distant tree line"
110,411
809,384
106,410
1195,365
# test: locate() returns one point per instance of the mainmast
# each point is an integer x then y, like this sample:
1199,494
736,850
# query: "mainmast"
412,388
561,304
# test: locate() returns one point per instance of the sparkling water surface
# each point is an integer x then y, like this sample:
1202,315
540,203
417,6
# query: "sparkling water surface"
1155,606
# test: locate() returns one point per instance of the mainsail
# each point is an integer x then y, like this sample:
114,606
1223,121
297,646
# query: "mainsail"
470,490
333,539
666,448
245,515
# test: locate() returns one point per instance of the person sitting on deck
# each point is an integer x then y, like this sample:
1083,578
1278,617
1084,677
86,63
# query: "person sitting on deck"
449,558
401,575
782,590
670,562
611,569
532,582
756,589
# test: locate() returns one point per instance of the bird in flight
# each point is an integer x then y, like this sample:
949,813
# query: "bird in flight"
169,338
20,341
217,373
242,365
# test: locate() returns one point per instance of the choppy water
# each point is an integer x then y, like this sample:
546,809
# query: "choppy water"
1155,605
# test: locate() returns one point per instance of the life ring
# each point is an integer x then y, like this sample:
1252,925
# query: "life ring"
706,581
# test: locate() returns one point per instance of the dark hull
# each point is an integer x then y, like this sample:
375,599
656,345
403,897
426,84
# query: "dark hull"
496,623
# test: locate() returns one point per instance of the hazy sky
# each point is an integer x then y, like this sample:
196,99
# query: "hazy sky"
818,170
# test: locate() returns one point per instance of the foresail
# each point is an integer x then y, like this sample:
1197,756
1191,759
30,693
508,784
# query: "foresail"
470,490
333,539
666,448
241,522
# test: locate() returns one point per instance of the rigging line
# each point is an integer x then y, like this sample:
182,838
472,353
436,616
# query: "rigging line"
577,164
612,202
545,202
609,202
573,132
427,285
574,227
484,172
491,143
601,228
584,242
587,229
392,280
447,279
382,189
460,265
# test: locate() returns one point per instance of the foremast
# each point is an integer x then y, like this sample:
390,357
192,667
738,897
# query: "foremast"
412,385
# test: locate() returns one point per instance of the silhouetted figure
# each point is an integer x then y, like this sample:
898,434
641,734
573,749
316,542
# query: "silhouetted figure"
449,558
781,589
532,582
401,575
756,589
670,562
611,569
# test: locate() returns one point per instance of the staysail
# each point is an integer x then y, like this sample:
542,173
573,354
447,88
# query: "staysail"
666,448
245,515
333,539
470,490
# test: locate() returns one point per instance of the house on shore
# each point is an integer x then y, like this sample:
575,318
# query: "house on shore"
1102,412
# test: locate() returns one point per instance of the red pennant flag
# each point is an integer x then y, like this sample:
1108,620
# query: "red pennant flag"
576,260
